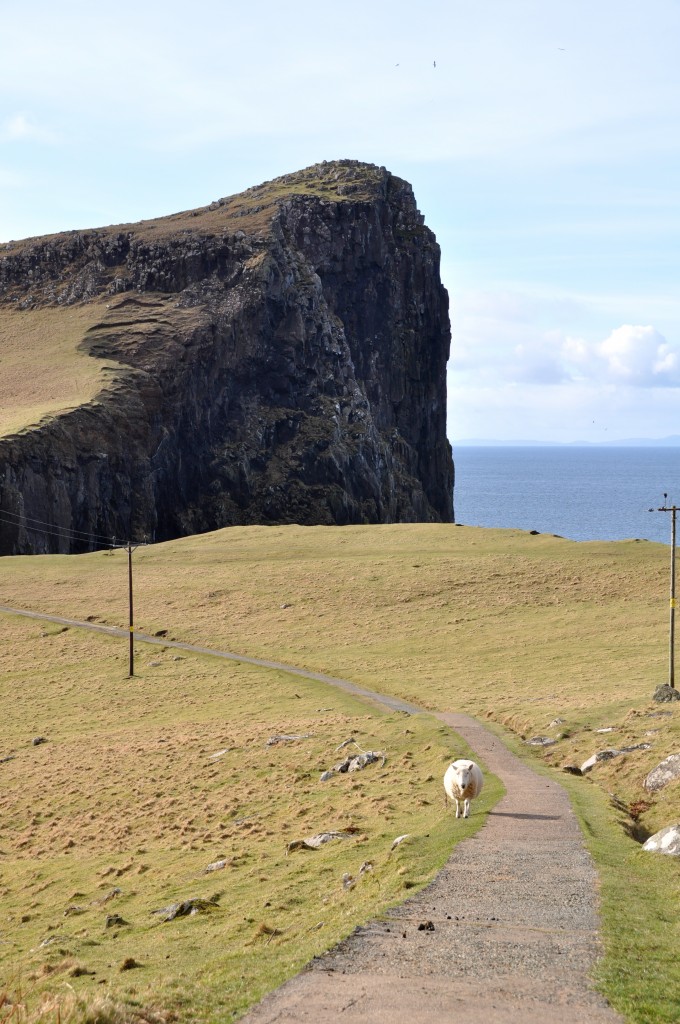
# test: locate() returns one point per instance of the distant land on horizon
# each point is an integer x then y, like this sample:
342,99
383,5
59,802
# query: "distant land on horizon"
672,441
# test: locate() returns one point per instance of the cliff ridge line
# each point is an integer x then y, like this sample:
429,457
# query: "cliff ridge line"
280,356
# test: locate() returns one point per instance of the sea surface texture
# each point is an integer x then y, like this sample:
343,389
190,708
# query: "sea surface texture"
579,493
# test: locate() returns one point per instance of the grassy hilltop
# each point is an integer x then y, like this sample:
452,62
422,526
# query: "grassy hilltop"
62,372
59,374
143,783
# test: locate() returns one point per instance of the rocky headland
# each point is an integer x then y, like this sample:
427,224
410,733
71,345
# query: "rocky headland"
281,359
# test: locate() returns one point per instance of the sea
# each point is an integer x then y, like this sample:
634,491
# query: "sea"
582,493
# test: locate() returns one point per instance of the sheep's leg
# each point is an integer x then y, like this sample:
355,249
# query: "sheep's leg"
457,809
466,812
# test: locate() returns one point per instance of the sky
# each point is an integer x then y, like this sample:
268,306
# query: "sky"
541,137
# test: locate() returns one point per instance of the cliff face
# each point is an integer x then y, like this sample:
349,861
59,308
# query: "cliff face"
285,361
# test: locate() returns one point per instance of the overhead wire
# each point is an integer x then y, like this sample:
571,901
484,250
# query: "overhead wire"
62,532
41,522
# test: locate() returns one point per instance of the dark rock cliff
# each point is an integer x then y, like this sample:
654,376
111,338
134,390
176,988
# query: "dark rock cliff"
284,361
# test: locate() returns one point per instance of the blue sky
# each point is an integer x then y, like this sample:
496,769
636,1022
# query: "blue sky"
543,150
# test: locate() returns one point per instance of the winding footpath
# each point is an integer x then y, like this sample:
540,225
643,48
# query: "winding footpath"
507,933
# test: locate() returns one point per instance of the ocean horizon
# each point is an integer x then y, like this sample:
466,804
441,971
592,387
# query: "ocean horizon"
584,493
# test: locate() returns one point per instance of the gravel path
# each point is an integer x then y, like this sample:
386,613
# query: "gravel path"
514,933
512,926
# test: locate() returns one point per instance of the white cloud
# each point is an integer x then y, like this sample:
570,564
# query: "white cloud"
640,356
513,377
501,337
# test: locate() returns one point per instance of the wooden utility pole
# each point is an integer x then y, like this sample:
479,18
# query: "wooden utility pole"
132,628
671,646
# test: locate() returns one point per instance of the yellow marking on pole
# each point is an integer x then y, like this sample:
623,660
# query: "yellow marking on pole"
674,602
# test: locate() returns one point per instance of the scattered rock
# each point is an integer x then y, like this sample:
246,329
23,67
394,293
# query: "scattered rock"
273,740
572,769
217,865
609,728
219,753
354,764
540,741
109,896
665,772
73,910
346,743
426,926
114,921
665,693
3,760
314,842
607,755
601,755
555,722
349,881
186,908
37,740
399,840
666,841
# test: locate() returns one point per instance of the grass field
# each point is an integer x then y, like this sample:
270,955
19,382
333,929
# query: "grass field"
517,629
58,375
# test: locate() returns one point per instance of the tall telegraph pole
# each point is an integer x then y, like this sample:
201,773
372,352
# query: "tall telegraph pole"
132,628
671,647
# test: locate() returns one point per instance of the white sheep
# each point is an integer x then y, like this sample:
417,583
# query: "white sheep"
463,781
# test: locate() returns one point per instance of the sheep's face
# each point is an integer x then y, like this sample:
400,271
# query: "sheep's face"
464,778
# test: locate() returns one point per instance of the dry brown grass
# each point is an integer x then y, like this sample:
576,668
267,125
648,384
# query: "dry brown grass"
143,783
521,630
43,371
526,629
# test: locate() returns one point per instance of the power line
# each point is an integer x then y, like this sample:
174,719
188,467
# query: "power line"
61,532
40,526
41,522
62,536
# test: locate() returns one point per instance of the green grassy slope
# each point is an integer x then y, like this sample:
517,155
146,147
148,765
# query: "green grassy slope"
520,630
